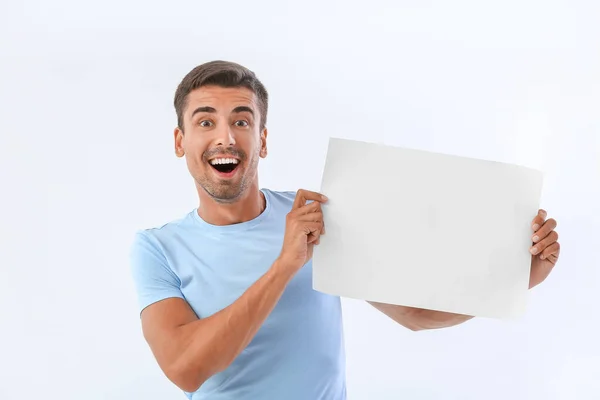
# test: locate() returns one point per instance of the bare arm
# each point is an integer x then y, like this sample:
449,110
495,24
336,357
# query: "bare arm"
190,350
417,319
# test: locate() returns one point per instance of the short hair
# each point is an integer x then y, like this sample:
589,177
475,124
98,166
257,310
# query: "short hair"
224,74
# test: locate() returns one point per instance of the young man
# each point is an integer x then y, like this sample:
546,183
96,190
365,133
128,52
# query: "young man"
225,292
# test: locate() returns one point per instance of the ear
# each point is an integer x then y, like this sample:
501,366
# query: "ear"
178,136
263,143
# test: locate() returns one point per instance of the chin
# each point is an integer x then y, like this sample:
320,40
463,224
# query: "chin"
225,192
226,198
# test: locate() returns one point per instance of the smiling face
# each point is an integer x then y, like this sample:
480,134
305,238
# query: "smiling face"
222,141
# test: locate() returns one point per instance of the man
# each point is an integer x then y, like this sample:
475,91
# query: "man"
225,292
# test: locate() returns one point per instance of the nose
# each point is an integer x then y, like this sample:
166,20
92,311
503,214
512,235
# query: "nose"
224,136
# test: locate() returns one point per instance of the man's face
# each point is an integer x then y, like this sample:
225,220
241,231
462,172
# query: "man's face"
222,142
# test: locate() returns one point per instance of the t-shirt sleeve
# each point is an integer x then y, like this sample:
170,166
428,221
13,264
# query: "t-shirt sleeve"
153,278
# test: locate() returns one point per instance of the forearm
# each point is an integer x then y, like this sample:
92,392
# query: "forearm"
420,319
208,346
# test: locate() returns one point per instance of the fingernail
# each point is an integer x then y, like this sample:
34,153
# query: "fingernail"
534,250
324,197
536,238
542,257
536,227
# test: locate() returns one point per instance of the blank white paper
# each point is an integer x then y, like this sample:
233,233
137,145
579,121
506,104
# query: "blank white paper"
421,229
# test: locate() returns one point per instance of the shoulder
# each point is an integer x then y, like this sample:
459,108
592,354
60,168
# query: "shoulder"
281,201
159,235
150,265
151,248
281,196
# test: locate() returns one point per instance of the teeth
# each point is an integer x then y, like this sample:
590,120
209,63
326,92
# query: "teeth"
216,161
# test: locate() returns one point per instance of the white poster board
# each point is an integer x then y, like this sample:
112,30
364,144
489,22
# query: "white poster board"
420,229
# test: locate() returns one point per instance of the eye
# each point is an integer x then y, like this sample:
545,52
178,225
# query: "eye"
205,123
241,123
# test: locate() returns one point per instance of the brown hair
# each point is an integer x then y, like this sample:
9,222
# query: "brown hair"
224,74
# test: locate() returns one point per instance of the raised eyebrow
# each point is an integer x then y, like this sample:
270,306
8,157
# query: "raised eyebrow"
241,109
205,109
208,109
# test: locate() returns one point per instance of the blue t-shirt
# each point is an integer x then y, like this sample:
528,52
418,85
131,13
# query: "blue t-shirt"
298,353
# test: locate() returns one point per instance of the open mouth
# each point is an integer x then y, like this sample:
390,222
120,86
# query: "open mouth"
224,165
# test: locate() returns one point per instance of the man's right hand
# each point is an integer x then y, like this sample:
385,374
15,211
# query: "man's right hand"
191,350
303,229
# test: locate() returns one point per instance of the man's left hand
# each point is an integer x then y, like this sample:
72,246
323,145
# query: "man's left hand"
545,248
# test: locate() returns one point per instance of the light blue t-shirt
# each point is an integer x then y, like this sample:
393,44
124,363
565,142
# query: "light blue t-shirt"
298,353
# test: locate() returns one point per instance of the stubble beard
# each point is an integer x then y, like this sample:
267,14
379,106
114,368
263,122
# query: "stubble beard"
227,191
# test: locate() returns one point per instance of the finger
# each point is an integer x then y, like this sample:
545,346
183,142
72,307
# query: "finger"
302,196
544,243
312,227
544,231
539,219
313,231
309,208
316,216
551,252
313,239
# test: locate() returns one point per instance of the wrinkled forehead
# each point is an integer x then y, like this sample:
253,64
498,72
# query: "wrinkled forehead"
223,100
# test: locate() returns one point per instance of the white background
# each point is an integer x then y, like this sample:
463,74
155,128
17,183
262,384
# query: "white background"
86,154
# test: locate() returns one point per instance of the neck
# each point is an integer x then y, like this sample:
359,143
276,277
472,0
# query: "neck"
249,206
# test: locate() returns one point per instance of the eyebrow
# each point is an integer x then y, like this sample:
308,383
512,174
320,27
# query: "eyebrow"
236,110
